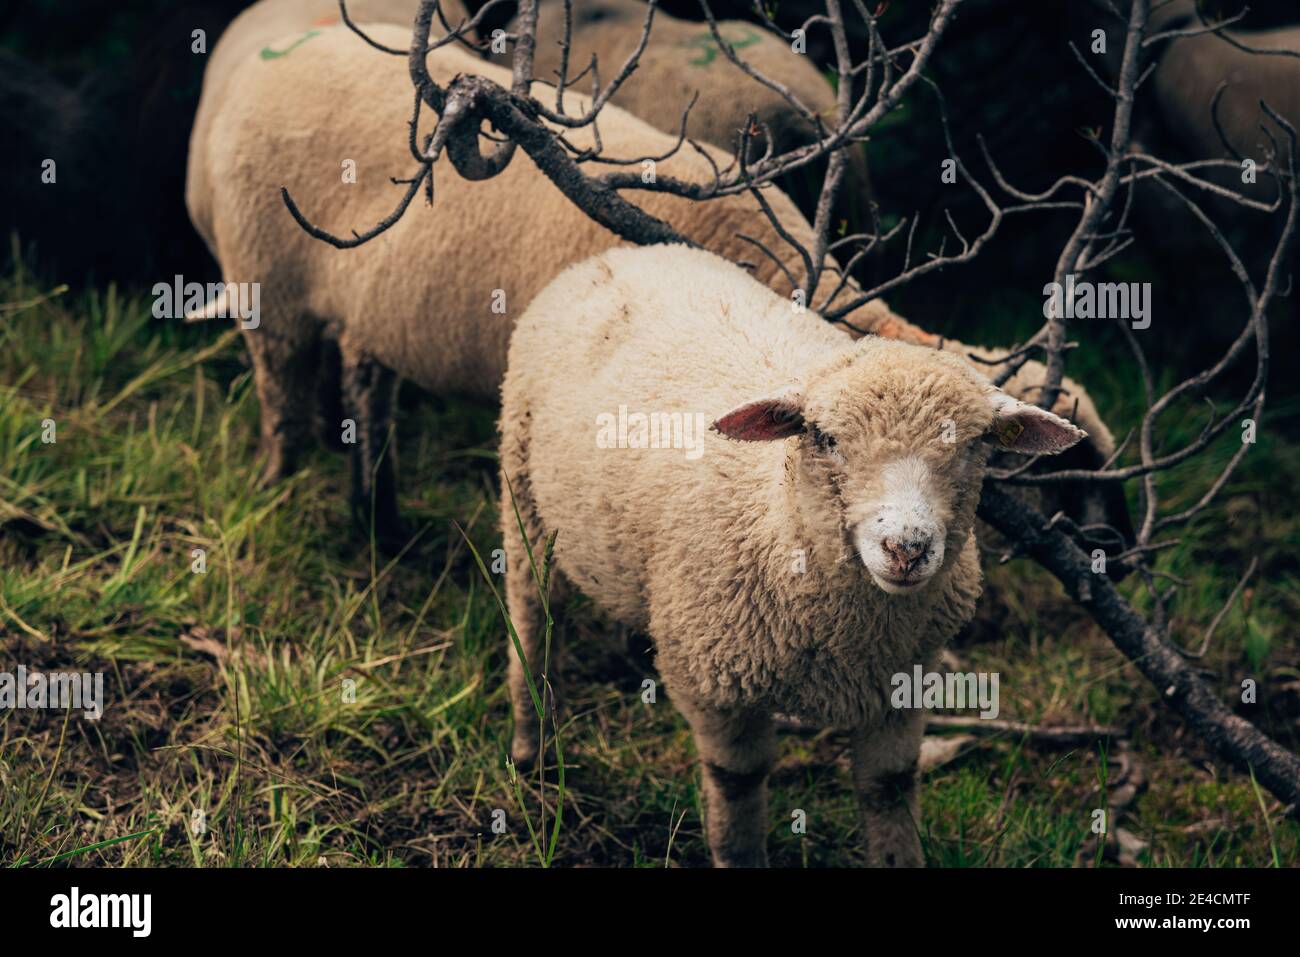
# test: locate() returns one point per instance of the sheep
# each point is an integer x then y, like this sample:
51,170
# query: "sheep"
253,33
1208,123
681,60
815,543
1202,101
434,298
1190,71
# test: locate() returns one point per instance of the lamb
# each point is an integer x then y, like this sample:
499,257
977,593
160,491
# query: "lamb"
682,59
820,543
434,298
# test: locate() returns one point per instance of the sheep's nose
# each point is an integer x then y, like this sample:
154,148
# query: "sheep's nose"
904,555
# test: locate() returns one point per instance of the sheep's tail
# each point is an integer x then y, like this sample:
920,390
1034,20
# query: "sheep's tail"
218,307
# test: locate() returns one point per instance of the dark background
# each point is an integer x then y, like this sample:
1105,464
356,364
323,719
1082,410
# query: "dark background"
108,89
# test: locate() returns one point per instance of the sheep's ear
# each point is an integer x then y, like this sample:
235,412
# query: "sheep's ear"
763,420
1021,427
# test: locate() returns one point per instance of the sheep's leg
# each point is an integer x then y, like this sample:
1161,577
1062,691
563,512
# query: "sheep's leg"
284,370
737,750
527,614
329,396
532,732
884,777
371,393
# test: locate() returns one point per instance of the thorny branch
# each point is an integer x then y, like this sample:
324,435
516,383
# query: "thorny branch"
867,91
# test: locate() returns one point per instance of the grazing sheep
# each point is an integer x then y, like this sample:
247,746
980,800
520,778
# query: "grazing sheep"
1192,68
1190,71
681,60
1178,119
434,298
254,34
818,543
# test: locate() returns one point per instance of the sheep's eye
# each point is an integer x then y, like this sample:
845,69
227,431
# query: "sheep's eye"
823,442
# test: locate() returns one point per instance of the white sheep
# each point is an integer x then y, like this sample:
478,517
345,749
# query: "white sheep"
434,298
269,30
819,543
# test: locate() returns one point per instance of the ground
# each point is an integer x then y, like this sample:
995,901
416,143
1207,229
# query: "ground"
227,738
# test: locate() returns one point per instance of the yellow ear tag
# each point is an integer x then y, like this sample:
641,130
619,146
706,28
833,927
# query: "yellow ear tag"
1008,430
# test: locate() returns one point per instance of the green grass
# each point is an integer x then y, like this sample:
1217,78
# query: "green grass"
316,704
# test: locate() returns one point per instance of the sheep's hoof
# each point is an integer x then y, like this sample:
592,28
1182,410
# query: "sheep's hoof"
523,752
276,467
748,859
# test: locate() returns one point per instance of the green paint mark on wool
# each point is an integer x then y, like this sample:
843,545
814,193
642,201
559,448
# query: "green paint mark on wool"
709,48
270,54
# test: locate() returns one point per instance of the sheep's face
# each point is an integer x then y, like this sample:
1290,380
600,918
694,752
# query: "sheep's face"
890,450
900,522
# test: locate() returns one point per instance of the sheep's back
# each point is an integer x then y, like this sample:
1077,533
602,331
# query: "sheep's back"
677,332
683,60
254,30
1191,71
421,296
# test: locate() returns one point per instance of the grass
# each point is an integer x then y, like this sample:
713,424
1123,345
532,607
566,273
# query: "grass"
303,702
